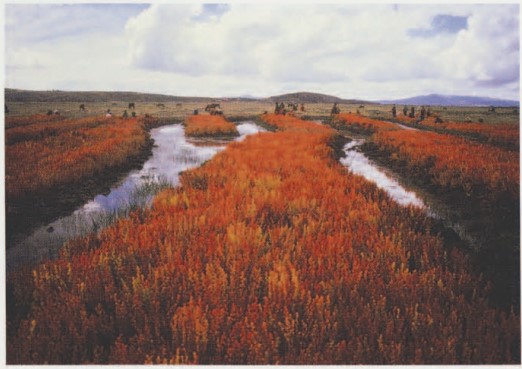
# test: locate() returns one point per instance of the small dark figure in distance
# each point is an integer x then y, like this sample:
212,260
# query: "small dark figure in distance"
209,107
216,111
335,109
132,106
405,111
302,107
82,107
412,112
394,111
195,112
49,112
280,108
125,115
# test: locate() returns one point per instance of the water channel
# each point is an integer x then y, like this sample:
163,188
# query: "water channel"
172,154
358,163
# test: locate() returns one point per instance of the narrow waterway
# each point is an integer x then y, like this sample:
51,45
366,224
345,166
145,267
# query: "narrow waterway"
172,154
359,164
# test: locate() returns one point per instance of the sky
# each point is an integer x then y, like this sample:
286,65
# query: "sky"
363,51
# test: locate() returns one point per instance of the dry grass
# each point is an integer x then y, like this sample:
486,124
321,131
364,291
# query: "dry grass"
250,108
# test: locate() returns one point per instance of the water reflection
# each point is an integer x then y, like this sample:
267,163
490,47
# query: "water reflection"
359,164
171,155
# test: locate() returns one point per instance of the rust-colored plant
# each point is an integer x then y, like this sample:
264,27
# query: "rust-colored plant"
209,125
44,155
454,162
360,124
271,253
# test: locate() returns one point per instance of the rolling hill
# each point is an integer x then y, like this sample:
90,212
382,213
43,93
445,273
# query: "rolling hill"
310,97
18,95
15,95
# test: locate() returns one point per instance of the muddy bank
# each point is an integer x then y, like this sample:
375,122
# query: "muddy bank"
31,211
240,118
337,144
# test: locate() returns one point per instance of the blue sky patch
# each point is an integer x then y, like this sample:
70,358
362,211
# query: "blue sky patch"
211,10
441,23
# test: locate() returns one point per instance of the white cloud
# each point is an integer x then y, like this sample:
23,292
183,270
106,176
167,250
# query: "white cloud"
359,51
487,53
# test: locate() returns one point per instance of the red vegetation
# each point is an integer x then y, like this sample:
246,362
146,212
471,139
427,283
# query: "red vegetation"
454,162
43,155
289,122
209,125
360,124
506,135
270,253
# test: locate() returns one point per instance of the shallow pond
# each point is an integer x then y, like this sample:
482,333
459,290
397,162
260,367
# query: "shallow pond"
171,155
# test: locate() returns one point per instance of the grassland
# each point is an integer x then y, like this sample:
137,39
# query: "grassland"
250,108
272,253
285,260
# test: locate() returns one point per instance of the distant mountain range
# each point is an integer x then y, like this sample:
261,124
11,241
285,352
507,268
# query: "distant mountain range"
16,95
452,100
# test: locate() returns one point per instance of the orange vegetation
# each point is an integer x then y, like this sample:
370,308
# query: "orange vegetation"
289,122
501,134
270,253
454,162
209,125
44,155
360,124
